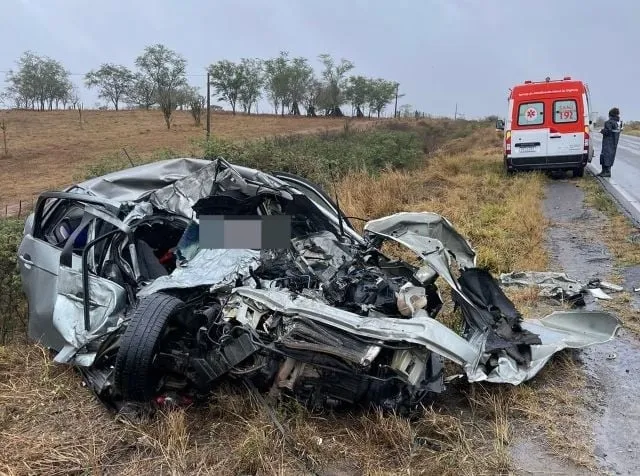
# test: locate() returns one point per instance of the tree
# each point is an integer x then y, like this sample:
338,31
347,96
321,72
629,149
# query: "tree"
357,93
382,92
227,79
406,111
323,99
190,97
166,69
39,81
74,97
252,81
142,92
196,105
300,78
114,82
184,96
334,82
313,93
277,80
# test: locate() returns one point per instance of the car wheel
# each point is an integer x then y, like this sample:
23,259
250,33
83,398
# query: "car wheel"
579,172
136,378
507,170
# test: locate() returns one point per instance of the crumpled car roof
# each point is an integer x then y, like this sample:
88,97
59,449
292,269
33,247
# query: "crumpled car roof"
135,182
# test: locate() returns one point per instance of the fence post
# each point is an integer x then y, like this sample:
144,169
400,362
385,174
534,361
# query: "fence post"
20,209
3,126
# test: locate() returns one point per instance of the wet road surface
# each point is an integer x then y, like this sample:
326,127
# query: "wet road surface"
626,168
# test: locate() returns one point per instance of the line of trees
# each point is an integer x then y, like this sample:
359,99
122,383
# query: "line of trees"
160,79
40,83
291,83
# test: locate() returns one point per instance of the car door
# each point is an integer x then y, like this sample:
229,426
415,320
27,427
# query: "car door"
58,218
566,134
39,264
529,136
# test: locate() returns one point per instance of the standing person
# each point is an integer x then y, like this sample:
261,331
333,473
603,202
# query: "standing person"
610,135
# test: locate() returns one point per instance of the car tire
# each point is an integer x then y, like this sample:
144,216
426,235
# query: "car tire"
579,172
507,170
135,378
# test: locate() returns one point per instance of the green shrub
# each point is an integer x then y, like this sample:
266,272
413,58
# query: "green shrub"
325,156
12,302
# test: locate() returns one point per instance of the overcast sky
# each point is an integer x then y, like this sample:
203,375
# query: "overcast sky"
442,52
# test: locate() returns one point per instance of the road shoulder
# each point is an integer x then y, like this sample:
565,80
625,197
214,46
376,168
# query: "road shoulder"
629,205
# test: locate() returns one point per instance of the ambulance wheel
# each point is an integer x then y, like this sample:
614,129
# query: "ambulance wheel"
579,172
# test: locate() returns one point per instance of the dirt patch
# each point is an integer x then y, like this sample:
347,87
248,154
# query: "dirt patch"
46,148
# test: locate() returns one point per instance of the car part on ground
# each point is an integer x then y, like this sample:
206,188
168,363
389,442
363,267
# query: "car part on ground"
559,286
146,311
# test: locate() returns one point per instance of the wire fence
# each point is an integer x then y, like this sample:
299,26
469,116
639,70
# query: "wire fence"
19,209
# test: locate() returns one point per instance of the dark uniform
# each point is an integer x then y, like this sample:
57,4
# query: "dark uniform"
610,135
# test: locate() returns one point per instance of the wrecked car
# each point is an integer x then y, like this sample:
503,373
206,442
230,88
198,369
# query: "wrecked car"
159,281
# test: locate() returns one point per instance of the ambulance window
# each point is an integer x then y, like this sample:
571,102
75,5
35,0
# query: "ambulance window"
565,111
531,114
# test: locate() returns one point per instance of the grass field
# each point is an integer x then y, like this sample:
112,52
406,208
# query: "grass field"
48,149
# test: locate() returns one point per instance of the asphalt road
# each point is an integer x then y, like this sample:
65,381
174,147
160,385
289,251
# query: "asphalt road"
625,173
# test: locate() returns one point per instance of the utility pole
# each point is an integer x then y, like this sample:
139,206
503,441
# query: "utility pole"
395,109
208,106
455,114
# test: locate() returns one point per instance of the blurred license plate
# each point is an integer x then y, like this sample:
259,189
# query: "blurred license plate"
527,149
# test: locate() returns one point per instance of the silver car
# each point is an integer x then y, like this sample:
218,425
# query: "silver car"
161,280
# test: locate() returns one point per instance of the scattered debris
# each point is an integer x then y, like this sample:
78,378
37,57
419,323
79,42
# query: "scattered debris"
152,305
559,286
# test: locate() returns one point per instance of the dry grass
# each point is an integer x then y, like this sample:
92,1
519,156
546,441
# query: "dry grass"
502,218
233,435
554,405
47,148
618,233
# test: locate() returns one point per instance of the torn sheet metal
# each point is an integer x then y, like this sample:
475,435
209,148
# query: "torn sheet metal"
181,196
139,211
556,285
421,329
411,229
107,303
608,286
323,252
217,177
208,267
487,332
557,331
599,294
133,183
551,283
